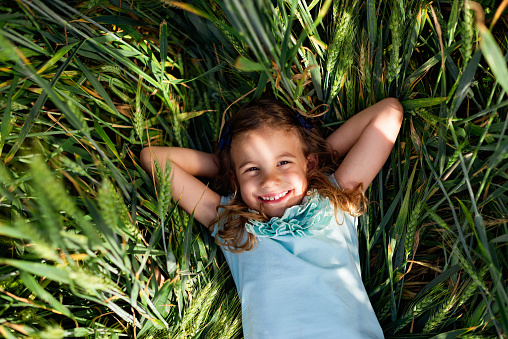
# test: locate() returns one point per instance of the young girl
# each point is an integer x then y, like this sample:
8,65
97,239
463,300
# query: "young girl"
288,225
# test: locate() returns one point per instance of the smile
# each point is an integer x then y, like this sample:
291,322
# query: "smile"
274,197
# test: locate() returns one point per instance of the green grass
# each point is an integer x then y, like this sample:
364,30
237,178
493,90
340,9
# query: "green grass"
91,248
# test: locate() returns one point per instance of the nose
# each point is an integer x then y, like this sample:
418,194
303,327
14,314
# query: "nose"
270,179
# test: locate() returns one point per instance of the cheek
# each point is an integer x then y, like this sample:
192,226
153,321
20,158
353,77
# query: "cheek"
299,180
245,188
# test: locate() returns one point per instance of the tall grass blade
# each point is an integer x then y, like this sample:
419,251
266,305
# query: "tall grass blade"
494,57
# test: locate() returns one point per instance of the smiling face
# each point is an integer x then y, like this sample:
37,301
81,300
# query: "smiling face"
271,169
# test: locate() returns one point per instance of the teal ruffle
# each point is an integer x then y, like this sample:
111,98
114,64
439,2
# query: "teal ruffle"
314,214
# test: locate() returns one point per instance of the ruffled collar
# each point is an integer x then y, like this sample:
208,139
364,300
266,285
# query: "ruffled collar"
314,214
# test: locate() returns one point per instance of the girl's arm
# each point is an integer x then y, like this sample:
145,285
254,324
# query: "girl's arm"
366,140
187,164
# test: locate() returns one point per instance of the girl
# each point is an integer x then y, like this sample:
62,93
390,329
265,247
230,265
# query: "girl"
288,232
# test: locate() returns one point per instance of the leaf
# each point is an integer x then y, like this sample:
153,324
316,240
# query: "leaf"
107,140
97,85
42,270
6,119
401,222
428,65
34,112
189,8
12,232
315,74
494,57
163,37
57,57
372,23
500,154
119,20
247,65
384,222
451,334
34,286
465,81
420,103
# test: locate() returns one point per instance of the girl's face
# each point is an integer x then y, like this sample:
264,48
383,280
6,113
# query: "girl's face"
271,169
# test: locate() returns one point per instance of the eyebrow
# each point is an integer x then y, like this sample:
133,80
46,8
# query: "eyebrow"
245,163
282,155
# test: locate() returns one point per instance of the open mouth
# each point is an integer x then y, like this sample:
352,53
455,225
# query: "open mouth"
274,198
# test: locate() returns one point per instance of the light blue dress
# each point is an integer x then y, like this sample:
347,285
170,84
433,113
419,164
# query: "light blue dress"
302,279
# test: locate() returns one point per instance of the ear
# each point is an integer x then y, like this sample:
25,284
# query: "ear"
312,162
232,176
233,179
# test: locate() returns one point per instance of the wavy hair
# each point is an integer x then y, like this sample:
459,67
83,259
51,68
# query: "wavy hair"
272,113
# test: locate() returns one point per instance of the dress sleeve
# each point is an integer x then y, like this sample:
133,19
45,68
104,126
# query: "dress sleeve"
332,179
223,201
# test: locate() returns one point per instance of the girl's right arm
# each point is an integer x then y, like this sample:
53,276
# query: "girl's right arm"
365,141
186,165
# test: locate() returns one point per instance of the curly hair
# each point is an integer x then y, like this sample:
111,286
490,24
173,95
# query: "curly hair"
256,115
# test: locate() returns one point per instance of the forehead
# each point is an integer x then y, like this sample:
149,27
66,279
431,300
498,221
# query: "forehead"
266,142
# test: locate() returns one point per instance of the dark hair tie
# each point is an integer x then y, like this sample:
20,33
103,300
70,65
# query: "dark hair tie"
304,122
225,139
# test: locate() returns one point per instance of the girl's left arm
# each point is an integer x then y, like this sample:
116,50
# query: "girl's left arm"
365,142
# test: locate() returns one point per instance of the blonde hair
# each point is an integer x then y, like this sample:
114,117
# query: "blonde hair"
259,114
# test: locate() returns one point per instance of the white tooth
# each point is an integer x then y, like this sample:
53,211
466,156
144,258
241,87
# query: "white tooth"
272,198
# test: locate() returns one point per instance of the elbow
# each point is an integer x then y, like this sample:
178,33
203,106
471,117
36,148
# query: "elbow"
144,158
396,109
389,121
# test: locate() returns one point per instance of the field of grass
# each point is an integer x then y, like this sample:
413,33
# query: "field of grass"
90,247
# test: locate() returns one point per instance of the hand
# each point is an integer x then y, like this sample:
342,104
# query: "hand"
187,164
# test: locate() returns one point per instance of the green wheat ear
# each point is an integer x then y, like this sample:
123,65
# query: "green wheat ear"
365,70
467,34
125,220
93,282
40,243
210,309
164,180
384,310
414,220
52,331
138,116
396,27
341,45
419,307
73,167
52,193
115,212
107,204
351,97
453,301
